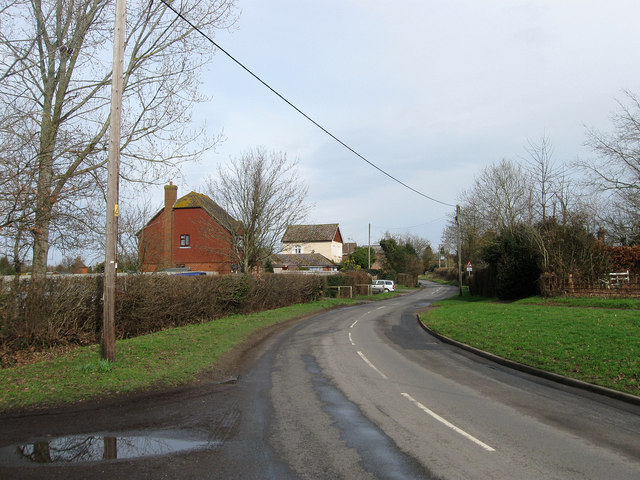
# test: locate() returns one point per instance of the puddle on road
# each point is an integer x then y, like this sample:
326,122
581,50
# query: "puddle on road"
93,448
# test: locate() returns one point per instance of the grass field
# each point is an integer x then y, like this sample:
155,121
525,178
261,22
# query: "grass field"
593,340
168,358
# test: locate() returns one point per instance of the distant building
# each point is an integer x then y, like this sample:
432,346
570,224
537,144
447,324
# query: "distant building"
309,248
324,239
302,263
347,249
380,257
191,232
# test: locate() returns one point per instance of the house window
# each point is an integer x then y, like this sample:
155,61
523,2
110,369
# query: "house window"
297,249
184,241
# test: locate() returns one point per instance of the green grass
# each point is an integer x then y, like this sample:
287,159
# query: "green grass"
162,359
435,279
594,340
590,302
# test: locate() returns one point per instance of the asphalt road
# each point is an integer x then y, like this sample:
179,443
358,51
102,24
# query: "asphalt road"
360,392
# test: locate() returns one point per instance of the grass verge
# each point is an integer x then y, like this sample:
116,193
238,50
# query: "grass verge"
593,340
162,359
435,279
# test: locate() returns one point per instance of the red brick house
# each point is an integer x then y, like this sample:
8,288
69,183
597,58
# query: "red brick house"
192,232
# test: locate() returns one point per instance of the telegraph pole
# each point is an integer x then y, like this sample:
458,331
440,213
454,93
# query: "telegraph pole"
113,177
459,251
369,249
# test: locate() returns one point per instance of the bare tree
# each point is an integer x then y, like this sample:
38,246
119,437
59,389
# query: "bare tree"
262,191
555,192
542,171
130,224
616,170
18,172
618,217
475,232
617,167
55,68
501,197
509,200
135,211
418,243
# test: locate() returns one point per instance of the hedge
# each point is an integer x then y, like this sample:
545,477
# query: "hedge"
69,311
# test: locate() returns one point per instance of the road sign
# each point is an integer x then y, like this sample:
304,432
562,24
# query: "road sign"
469,267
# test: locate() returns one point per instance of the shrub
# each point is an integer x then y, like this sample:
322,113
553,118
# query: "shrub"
363,256
570,250
448,274
353,278
516,263
401,258
70,311
407,280
623,258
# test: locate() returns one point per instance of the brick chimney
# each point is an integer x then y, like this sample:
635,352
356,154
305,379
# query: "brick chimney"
170,197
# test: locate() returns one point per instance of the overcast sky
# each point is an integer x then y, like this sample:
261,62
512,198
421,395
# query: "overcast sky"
430,91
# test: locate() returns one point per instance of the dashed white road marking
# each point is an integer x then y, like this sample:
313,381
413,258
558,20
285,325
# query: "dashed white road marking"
380,308
361,317
351,339
447,423
366,360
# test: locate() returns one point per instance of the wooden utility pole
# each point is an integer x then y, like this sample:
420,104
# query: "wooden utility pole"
459,250
113,181
369,250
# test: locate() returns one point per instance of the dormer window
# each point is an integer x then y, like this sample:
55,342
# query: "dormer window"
297,249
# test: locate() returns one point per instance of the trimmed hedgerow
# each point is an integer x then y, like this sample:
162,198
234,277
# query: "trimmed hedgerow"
70,309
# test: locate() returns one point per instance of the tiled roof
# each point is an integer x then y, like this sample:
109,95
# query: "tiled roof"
310,233
301,260
198,200
348,248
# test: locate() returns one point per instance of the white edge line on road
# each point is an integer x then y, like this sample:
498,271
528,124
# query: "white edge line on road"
366,360
353,324
447,423
380,308
351,339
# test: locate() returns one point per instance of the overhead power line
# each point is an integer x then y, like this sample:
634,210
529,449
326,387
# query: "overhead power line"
412,226
284,99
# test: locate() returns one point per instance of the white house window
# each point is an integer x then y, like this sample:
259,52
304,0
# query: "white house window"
297,249
185,241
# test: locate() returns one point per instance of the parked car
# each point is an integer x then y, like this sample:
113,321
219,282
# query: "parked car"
379,286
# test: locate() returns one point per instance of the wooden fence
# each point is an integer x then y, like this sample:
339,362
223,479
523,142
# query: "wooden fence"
614,284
